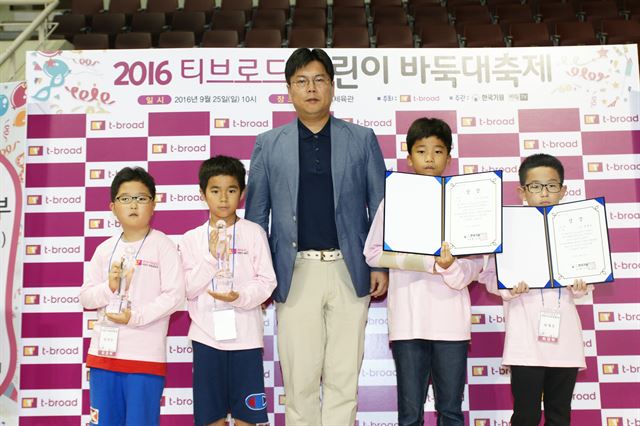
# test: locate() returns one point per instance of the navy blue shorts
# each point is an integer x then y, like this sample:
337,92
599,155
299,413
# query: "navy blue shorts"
228,382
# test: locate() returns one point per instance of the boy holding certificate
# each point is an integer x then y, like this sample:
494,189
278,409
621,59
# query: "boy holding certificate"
227,262
429,312
135,281
543,342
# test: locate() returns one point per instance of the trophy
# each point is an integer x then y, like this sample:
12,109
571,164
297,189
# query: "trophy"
224,277
120,301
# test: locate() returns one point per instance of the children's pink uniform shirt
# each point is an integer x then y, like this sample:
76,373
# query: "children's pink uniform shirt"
253,276
156,290
423,305
522,316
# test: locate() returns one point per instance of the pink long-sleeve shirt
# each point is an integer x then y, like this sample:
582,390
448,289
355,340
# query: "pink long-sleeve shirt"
254,280
423,305
522,316
156,291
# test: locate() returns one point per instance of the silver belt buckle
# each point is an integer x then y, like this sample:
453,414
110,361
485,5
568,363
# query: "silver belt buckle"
322,253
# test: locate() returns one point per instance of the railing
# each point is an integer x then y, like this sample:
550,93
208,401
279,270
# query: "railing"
37,23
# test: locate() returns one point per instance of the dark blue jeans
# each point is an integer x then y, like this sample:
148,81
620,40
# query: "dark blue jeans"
446,363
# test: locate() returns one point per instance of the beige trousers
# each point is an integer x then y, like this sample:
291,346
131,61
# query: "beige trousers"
321,344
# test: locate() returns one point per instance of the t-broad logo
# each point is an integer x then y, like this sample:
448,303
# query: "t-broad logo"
261,124
125,125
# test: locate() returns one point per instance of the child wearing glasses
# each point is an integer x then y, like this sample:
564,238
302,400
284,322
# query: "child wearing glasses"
229,275
541,370
135,281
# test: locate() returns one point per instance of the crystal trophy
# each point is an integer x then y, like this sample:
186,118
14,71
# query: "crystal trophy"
224,277
121,301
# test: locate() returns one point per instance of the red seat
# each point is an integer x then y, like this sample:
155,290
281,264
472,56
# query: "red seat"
310,18
348,3
529,34
90,41
283,5
149,22
311,4
620,32
128,7
177,39
509,13
230,19
438,35
189,21
483,35
270,18
88,8
133,41
246,6
220,38
394,36
557,12
307,37
204,6
385,3
69,24
471,14
164,6
110,24
430,14
575,33
414,4
389,15
263,37
357,37
596,11
349,16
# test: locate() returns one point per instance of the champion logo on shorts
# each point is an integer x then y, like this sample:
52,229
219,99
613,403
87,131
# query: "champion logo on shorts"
256,401
94,415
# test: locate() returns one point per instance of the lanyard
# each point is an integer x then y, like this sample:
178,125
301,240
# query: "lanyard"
542,297
134,258
233,250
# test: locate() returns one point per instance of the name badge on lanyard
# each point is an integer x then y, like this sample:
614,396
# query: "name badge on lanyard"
549,322
549,326
108,341
224,324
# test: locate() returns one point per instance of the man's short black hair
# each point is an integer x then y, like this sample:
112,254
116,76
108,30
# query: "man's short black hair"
132,174
302,57
221,165
425,127
540,160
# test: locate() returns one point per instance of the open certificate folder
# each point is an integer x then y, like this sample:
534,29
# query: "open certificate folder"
553,246
420,212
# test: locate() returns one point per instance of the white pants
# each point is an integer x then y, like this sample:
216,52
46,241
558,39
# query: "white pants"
321,340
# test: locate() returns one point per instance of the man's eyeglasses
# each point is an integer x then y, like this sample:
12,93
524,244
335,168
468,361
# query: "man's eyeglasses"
302,83
140,199
535,187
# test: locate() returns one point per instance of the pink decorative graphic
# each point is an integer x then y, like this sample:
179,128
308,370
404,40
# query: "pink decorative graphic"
19,96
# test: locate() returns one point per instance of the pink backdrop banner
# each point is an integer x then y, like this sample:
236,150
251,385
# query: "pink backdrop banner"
92,113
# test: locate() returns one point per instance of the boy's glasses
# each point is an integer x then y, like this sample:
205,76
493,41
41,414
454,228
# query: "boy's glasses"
128,199
535,188
303,82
